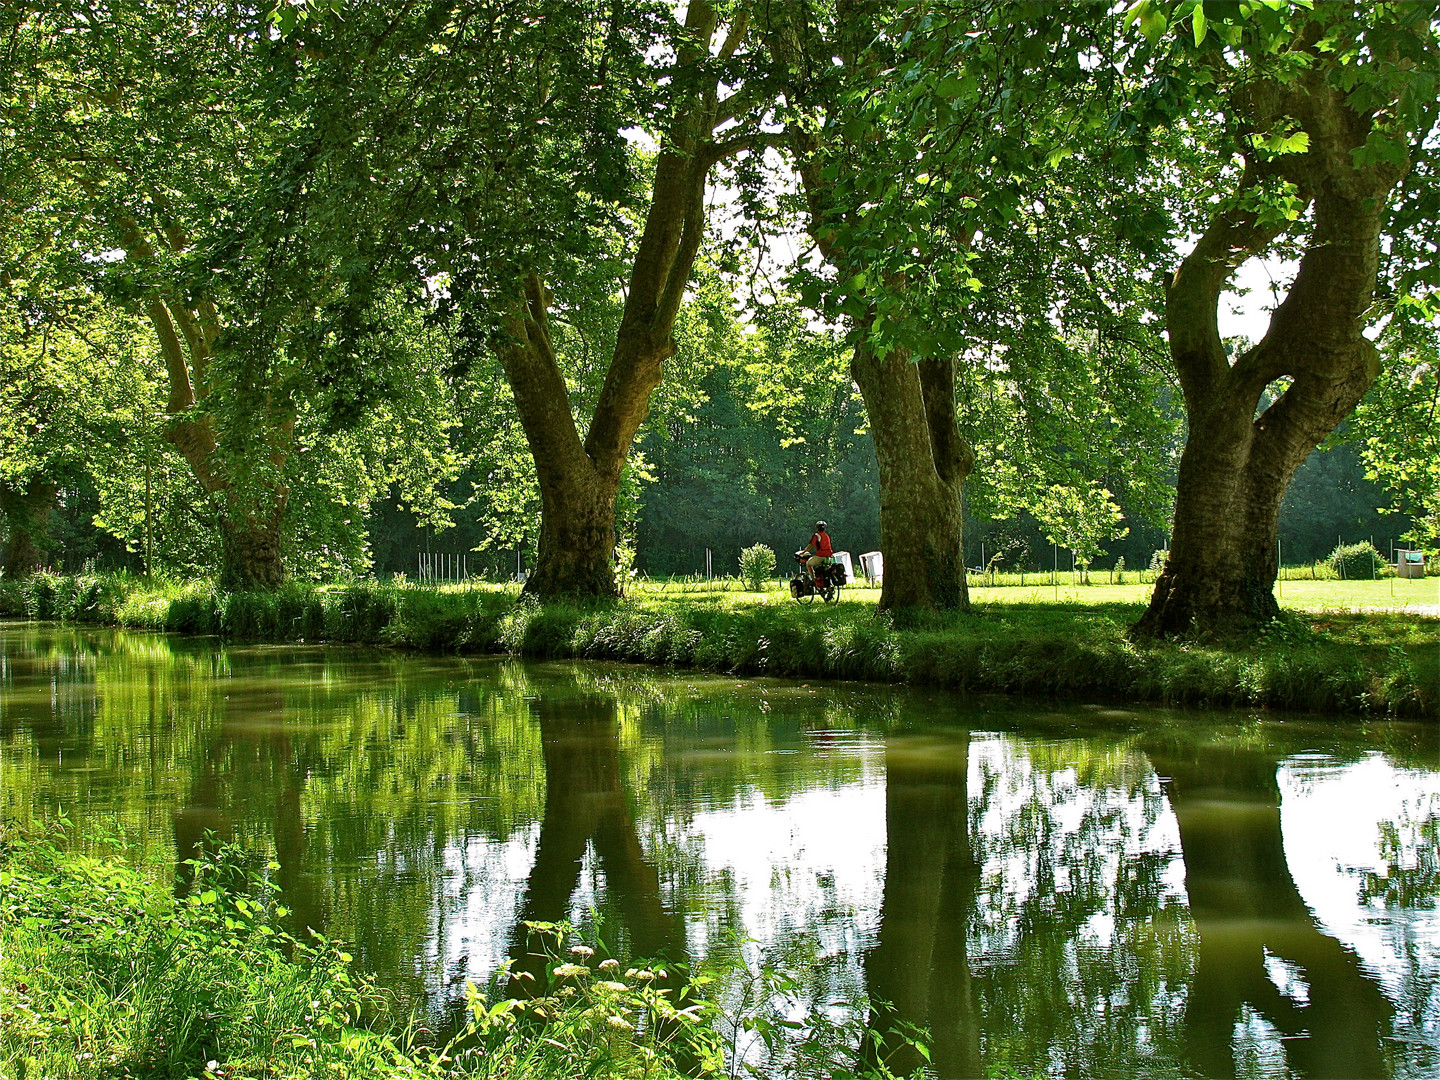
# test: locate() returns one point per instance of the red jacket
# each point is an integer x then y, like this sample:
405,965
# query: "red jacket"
820,541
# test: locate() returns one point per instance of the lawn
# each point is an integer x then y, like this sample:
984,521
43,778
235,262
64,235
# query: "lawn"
1418,595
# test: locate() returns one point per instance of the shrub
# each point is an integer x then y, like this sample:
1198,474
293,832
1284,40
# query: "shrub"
1356,560
40,593
1120,570
757,566
12,600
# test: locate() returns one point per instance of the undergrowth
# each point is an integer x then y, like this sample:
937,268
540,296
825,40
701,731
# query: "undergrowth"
1348,662
106,974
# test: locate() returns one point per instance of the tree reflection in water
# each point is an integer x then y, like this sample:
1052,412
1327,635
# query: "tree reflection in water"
1331,1015
918,972
585,803
1028,911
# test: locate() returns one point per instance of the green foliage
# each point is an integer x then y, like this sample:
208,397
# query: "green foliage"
765,437
105,973
86,597
1316,571
588,1017
757,566
1357,561
1082,519
1396,425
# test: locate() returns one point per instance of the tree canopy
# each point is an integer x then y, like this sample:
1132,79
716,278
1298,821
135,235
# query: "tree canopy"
267,270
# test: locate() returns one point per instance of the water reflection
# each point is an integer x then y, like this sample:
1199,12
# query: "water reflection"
1261,953
1048,892
918,972
586,804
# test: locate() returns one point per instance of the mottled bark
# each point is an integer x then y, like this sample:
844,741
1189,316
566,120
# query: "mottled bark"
923,459
1236,466
27,517
577,499
579,481
252,557
1246,908
918,973
923,463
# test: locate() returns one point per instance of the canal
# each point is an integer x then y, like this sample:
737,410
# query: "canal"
1047,889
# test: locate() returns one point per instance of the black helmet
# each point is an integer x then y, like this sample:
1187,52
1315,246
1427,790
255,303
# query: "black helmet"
820,525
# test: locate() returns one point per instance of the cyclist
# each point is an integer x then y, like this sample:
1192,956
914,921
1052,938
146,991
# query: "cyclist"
822,551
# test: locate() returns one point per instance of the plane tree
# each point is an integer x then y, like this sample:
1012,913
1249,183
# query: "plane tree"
953,187
140,123
256,182
1309,120
515,203
74,384
703,110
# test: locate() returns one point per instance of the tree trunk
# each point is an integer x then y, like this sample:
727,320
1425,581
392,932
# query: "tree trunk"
577,539
252,559
579,482
1220,575
923,460
27,515
188,334
923,463
577,502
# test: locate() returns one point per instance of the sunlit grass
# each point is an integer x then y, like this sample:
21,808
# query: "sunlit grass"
1420,595
106,973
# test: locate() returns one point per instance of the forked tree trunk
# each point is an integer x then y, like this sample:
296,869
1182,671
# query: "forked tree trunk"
27,516
923,463
188,334
579,481
1220,575
577,498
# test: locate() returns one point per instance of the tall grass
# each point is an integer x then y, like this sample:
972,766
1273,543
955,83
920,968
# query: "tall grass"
1375,662
106,974
431,617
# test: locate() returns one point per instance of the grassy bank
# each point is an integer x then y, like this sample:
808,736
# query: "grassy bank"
105,973
1351,647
